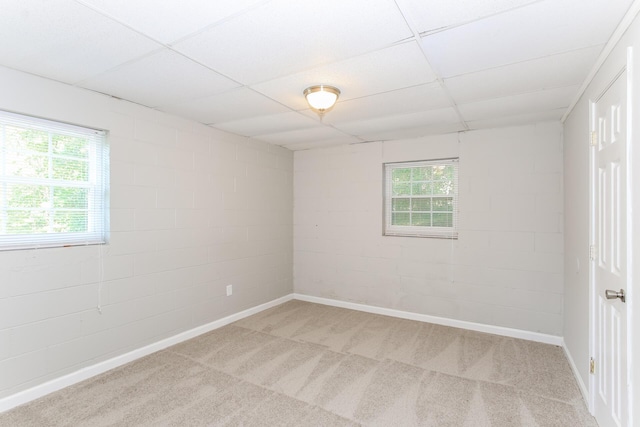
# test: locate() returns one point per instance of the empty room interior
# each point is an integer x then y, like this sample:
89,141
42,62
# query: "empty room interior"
356,212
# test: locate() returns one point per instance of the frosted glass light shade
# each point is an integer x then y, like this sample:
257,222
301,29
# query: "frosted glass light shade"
321,98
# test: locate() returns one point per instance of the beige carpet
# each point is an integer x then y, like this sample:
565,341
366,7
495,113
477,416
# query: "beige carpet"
303,364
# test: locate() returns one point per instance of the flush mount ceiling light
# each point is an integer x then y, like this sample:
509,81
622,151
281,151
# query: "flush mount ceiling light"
321,98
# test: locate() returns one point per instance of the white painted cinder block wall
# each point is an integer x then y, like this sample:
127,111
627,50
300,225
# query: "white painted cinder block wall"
192,210
506,268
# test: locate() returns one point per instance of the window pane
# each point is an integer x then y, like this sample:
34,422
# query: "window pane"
401,175
421,174
443,204
443,220
70,198
70,146
421,205
27,196
27,165
401,189
70,170
443,187
421,219
421,189
27,222
400,219
27,139
400,205
448,173
442,172
70,221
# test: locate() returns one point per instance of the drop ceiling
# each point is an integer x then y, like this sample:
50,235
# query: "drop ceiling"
406,68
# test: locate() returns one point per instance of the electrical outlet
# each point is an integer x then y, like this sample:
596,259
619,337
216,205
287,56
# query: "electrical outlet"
229,290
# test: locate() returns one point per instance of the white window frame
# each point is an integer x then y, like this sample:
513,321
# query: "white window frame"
419,231
97,185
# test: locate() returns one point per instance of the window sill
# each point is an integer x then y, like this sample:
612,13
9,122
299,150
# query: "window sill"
448,236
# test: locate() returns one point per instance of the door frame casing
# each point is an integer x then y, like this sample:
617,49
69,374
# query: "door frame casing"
633,220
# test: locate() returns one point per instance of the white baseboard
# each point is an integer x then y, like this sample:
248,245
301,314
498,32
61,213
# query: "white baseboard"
38,391
99,368
574,368
480,327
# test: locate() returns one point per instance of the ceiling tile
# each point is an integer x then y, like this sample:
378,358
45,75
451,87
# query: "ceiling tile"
228,106
533,102
387,123
159,79
395,67
430,15
322,144
275,123
285,36
169,20
64,40
318,133
564,69
417,98
539,29
414,132
521,119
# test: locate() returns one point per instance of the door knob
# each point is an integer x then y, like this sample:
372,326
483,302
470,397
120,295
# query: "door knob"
614,294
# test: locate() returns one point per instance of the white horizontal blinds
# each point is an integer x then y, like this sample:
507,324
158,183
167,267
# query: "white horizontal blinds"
421,198
52,183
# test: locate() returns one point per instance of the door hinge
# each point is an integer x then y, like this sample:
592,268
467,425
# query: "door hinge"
594,138
592,366
593,252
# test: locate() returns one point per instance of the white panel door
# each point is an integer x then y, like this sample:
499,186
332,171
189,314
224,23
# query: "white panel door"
610,242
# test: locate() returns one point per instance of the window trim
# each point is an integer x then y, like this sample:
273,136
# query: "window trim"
97,184
418,231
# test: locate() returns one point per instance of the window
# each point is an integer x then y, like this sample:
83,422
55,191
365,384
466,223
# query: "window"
421,198
53,180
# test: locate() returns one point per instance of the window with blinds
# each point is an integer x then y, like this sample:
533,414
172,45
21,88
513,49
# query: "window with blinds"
53,181
421,198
